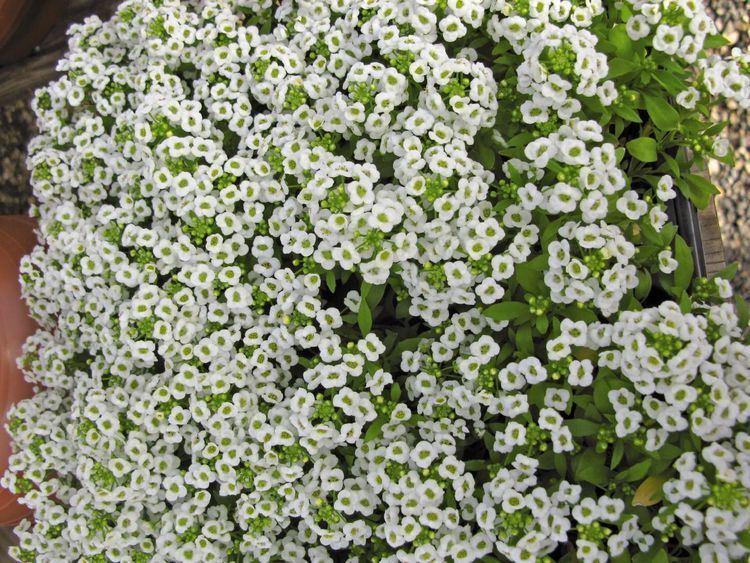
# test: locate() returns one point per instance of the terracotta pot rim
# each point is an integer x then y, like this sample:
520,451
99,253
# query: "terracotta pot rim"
17,238
27,29
13,12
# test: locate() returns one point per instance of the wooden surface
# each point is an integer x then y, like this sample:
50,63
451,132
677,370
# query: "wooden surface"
713,247
21,79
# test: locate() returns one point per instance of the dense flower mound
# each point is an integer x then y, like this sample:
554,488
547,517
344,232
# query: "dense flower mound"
382,281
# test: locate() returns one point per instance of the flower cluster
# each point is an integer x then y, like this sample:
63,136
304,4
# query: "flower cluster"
381,281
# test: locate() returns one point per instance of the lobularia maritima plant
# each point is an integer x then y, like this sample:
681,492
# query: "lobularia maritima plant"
382,281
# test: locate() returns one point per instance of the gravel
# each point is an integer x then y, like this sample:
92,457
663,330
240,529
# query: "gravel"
17,126
733,206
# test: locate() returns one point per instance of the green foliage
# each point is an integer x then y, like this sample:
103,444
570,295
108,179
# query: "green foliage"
643,148
662,114
506,311
457,383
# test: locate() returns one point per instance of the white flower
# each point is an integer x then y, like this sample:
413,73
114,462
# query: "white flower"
371,347
581,373
667,263
637,27
269,235
664,188
627,422
541,151
667,38
631,206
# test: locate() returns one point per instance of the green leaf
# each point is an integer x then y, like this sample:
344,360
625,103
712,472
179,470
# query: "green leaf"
503,60
589,467
500,48
653,555
702,183
575,314
374,430
524,341
479,42
667,61
715,41
485,155
402,309
519,140
668,233
699,189
561,465
670,82
375,295
331,280
743,311
661,556
716,128
650,235
620,67
505,353
506,310
364,318
617,453
650,491
626,11
364,289
515,175
686,304
602,387
537,264
672,165
580,427
619,126
476,464
628,113
671,452
551,230
618,36
683,275
644,285
744,538
410,345
630,303
642,148
664,116
489,440
528,275
635,472
395,392
542,324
